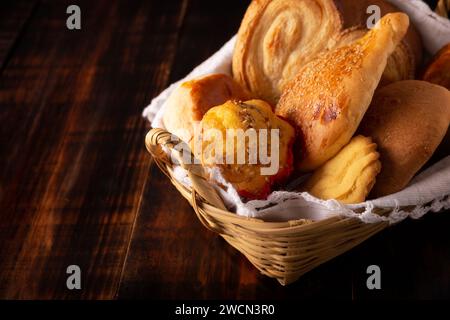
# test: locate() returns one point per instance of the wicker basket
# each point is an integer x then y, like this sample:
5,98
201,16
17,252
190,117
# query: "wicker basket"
281,250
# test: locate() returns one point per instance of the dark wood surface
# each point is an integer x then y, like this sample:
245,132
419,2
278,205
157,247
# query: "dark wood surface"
77,186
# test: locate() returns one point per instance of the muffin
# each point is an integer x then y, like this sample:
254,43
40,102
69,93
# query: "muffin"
248,143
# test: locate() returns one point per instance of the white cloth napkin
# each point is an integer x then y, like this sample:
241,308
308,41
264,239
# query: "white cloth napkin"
429,191
434,29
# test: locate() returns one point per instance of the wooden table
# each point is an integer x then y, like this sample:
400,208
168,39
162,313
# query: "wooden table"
77,186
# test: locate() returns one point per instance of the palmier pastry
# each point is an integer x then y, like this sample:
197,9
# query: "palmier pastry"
278,37
330,95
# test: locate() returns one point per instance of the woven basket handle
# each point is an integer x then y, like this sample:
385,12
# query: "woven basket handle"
156,138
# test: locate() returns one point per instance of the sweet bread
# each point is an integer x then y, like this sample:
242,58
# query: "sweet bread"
330,95
407,120
278,37
189,102
407,56
252,176
350,175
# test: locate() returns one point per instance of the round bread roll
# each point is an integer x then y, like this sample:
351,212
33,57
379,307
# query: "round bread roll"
407,120
192,99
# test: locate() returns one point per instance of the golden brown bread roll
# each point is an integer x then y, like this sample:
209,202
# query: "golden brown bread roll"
438,71
278,37
192,99
329,97
407,120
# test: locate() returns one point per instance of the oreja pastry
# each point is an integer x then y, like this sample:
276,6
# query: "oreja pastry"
350,175
278,37
407,120
330,95
249,144
438,71
189,102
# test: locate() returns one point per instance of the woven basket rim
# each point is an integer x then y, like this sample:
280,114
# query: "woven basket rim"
282,250
157,137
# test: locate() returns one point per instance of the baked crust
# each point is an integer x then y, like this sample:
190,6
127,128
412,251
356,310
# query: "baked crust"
350,175
438,71
407,120
246,177
278,37
192,99
330,95
407,56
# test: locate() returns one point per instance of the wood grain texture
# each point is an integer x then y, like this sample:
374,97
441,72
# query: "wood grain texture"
13,17
78,187
72,160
